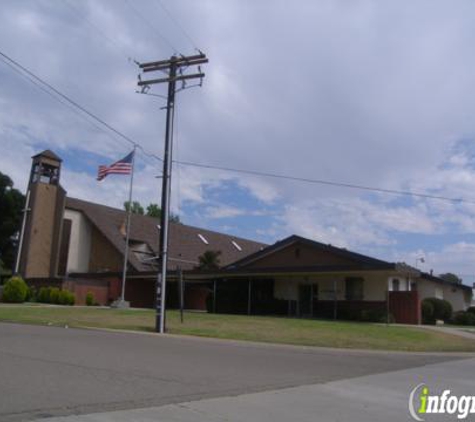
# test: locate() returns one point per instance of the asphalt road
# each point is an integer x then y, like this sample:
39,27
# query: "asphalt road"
49,371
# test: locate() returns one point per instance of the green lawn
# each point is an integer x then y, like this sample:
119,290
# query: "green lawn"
263,329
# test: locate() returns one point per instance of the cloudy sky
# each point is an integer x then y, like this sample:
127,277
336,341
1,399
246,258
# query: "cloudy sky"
373,93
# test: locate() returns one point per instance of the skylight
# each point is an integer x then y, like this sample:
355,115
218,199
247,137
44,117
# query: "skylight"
236,245
203,239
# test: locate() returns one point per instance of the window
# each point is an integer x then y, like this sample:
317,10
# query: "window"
354,288
297,252
315,291
396,285
236,245
439,293
144,254
203,239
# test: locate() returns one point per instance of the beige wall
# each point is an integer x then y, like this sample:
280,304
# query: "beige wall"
79,242
404,283
374,287
287,288
456,296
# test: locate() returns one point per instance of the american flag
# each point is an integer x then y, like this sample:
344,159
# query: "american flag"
123,166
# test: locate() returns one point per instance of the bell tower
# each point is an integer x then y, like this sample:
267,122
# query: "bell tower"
41,240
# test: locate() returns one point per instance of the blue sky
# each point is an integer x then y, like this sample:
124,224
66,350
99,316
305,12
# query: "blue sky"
362,92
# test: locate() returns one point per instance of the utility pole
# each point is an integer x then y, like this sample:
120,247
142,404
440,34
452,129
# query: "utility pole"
173,68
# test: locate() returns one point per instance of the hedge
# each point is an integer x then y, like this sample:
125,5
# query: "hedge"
442,310
89,299
55,296
15,290
463,318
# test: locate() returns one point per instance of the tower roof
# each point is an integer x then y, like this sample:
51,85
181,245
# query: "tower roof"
48,154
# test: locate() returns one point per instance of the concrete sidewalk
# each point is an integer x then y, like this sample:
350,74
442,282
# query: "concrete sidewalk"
371,398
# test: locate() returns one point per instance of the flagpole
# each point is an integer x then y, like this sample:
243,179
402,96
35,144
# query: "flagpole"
22,233
127,235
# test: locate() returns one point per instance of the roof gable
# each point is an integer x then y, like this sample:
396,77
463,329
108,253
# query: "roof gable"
296,251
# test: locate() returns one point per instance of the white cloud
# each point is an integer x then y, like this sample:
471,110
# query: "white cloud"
454,257
358,92
223,211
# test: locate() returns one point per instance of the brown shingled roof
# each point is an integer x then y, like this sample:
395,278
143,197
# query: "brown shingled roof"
185,244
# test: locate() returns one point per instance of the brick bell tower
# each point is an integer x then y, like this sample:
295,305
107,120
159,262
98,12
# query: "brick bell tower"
41,240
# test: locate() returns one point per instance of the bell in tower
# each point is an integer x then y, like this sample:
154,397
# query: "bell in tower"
45,168
43,224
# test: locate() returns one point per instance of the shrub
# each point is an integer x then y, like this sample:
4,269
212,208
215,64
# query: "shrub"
15,290
72,299
63,297
31,295
427,309
349,314
463,318
89,299
446,311
442,308
44,295
471,310
54,295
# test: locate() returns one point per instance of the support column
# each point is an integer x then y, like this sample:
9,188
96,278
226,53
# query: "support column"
249,293
335,300
214,295
311,300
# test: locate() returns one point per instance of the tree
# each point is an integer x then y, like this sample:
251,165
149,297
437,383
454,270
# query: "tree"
174,218
451,278
136,207
153,210
209,260
11,204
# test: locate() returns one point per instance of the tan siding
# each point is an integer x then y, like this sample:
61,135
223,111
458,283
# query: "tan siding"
307,256
104,257
41,228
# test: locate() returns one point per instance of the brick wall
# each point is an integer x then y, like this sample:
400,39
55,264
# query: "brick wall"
80,288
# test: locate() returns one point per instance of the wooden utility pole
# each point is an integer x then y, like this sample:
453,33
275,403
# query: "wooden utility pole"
173,68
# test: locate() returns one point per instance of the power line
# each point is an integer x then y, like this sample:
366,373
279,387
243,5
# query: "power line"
68,99
52,95
324,182
79,13
151,26
69,102
177,23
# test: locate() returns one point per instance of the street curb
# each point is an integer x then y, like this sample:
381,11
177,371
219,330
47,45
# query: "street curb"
250,343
